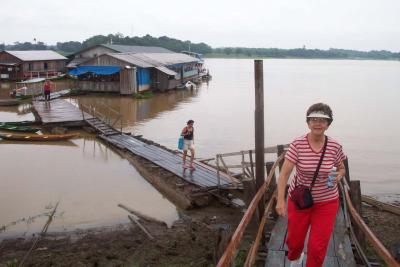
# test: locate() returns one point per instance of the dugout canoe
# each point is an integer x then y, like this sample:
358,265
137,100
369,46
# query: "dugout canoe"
9,102
17,128
31,137
18,123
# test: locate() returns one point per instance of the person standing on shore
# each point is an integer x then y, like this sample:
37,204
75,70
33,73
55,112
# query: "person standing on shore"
312,201
188,135
47,90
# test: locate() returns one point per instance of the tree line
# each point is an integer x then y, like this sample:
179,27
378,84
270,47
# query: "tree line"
176,45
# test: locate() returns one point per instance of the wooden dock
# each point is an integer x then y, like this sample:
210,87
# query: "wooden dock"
60,111
339,252
203,175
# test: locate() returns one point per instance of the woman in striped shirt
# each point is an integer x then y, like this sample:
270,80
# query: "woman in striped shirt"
305,153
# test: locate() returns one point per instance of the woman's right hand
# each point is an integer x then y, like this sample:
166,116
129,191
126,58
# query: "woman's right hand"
281,207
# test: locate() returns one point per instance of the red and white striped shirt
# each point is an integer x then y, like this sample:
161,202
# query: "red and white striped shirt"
306,161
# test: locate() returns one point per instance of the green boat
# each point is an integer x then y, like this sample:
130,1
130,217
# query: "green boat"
16,128
18,123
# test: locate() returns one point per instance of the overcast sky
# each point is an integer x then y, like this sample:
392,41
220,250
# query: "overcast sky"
350,24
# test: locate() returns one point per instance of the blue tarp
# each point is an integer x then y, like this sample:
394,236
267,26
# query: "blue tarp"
99,70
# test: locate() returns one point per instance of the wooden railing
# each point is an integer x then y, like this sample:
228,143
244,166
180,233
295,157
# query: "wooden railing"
234,243
245,169
378,247
348,207
106,117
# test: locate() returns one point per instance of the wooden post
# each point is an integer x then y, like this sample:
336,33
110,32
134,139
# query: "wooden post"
346,165
251,163
280,151
272,185
270,192
355,196
259,127
219,178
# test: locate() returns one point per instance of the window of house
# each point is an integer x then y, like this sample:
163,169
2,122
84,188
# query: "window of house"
30,66
45,66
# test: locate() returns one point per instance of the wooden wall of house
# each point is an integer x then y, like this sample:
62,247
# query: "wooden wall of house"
94,51
7,58
164,83
52,65
12,73
91,86
104,60
127,79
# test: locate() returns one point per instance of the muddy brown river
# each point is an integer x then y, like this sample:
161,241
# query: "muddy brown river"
89,180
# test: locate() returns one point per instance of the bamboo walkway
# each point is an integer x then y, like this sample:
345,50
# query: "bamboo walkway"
339,252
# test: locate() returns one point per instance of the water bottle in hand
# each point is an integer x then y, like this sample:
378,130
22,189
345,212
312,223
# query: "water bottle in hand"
332,175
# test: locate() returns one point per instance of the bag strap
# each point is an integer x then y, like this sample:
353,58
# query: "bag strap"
319,164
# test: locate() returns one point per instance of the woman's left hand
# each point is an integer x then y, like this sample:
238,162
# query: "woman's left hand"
341,173
337,179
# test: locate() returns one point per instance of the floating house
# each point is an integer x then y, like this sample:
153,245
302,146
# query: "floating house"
101,49
19,65
132,72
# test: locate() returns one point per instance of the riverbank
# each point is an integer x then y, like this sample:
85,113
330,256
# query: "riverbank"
385,226
191,241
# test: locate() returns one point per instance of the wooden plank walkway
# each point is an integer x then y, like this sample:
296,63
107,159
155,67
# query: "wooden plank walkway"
101,127
61,111
202,176
58,111
55,95
339,252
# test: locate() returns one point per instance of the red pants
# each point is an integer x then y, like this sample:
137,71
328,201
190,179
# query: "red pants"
321,218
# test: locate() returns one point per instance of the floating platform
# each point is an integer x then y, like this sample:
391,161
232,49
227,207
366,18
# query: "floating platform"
59,112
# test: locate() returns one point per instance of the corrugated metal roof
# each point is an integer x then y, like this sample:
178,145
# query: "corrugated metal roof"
168,59
148,60
35,55
136,49
132,59
166,70
76,61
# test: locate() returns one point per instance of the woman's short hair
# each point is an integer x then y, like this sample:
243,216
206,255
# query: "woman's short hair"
322,108
190,121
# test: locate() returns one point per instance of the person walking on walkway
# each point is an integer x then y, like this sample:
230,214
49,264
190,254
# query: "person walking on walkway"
314,155
47,90
188,135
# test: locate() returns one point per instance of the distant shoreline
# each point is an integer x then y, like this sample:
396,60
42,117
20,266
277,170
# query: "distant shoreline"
264,57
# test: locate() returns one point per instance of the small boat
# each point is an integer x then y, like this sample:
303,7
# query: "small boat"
9,102
16,128
18,123
187,85
30,137
28,88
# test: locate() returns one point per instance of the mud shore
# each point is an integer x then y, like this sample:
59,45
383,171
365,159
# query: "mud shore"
191,241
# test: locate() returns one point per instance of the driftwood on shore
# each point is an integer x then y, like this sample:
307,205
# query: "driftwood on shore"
141,215
42,234
134,219
381,205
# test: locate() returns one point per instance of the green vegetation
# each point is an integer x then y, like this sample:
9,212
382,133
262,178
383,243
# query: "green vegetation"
71,47
144,95
176,45
12,263
243,52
